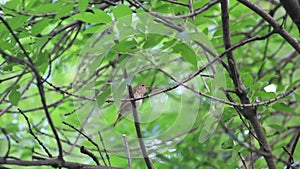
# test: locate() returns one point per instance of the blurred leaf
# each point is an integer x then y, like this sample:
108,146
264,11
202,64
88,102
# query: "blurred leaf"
265,95
229,114
14,97
88,17
121,10
267,77
187,53
41,61
105,18
99,82
101,98
228,144
169,43
82,5
277,127
45,8
12,127
18,21
97,17
282,107
67,9
13,4
152,40
248,79
26,153
293,84
122,37
125,46
93,29
297,98
39,26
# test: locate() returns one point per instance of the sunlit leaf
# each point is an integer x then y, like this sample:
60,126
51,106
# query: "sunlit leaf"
14,97
101,98
279,106
121,10
187,53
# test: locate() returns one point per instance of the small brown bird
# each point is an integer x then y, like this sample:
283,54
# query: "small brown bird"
125,107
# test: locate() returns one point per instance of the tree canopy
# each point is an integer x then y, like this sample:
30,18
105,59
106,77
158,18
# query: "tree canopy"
222,83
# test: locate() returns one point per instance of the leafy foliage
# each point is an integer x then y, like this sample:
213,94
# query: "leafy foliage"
65,66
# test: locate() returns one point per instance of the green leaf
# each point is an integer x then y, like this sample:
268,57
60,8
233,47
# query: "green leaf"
118,91
152,40
187,53
93,29
247,79
8,66
169,43
99,82
41,61
293,84
14,97
101,98
277,127
228,144
39,26
282,107
105,18
228,115
184,36
46,8
82,5
41,58
26,153
67,9
12,127
125,46
12,4
267,77
95,18
121,11
202,38
265,95
297,97
18,21
87,17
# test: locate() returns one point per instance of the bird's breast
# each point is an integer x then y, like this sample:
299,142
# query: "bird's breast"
138,103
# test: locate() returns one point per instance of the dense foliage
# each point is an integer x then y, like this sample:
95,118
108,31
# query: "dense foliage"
223,81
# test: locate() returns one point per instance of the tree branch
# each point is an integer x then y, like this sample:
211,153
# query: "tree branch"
138,129
250,112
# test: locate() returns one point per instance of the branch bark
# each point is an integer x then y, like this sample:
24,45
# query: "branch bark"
249,112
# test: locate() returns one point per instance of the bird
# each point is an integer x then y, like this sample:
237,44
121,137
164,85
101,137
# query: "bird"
292,7
126,106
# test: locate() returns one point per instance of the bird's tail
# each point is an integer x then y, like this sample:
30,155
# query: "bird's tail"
118,119
115,123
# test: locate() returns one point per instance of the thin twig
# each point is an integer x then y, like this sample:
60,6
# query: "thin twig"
8,142
89,139
34,136
127,151
243,160
104,149
90,154
40,86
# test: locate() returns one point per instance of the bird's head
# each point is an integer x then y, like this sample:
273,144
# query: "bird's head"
141,88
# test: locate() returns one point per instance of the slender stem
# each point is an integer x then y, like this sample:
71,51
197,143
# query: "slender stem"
138,129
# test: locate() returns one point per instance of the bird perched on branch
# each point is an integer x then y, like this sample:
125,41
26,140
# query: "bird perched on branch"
126,107
292,7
